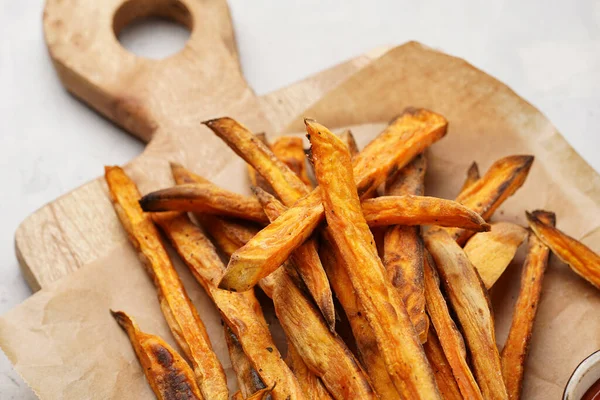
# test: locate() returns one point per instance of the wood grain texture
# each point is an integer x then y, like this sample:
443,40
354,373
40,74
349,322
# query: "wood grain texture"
160,101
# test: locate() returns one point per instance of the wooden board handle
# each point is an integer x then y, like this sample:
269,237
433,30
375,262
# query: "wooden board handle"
139,94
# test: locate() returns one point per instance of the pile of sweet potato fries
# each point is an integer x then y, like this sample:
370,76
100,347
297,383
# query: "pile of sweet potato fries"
410,272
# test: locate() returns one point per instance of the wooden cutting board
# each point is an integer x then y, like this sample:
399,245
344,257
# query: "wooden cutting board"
163,102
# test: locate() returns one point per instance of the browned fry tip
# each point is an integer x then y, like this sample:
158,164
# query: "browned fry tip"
583,260
168,374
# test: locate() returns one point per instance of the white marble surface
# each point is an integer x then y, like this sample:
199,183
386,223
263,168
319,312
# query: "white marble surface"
547,51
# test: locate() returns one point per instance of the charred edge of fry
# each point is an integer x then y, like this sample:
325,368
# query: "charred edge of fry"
546,217
580,258
204,198
249,380
168,374
519,165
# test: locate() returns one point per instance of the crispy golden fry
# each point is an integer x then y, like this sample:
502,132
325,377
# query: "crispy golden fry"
204,198
447,333
311,385
237,396
421,210
491,252
441,368
469,299
472,176
290,150
289,187
406,137
348,138
262,394
403,247
248,379
304,257
168,374
255,178
516,347
396,337
484,196
368,352
572,252
180,314
241,311
324,353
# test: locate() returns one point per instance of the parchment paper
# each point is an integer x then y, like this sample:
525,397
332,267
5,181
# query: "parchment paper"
65,344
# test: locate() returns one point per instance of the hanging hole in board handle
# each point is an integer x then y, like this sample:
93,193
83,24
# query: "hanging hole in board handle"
153,30
130,90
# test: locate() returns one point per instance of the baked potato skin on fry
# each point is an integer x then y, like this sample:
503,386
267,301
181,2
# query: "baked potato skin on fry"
514,353
396,338
168,374
179,312
468,298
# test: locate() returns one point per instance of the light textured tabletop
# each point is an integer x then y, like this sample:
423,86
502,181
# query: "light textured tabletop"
547,51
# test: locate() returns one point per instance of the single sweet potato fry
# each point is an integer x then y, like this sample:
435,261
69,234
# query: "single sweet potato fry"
421,210
395,335
403,247
311,385
469,300
289,187
168,374
248,379
240,311
583,260
491,252
407,136
472,176
348,138
180,314
368,352
441,368
290,150
514,353
447,333
484,196
204,198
